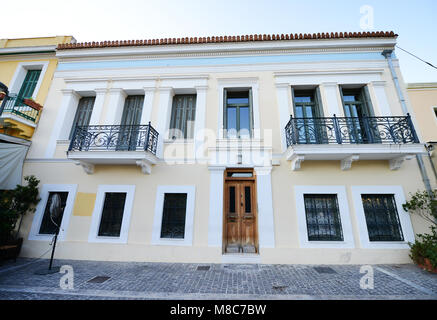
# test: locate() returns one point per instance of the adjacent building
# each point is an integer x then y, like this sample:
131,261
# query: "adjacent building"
295,148
26,69
423,97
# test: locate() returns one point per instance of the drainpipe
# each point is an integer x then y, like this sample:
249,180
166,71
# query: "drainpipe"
387,55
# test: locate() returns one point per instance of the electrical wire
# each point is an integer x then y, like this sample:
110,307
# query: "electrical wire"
428,63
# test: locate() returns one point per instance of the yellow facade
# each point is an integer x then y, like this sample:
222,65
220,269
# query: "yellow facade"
17,56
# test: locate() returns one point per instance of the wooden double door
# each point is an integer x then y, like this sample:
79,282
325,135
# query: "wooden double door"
240,213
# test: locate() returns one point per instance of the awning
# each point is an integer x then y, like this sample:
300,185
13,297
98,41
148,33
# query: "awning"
11,164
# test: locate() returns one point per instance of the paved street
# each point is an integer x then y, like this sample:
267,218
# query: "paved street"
142,280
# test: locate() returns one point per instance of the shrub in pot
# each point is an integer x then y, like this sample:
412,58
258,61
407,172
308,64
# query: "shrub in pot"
424,250
14,205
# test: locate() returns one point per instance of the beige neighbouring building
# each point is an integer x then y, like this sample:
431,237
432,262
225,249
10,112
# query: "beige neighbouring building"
423,97
250,149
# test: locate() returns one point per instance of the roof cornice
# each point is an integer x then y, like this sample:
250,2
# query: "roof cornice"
260,47
27,50
220,39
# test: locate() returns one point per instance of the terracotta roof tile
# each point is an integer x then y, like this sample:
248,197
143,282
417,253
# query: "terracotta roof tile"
217,39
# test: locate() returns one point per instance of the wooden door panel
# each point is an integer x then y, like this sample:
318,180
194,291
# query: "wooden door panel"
240,217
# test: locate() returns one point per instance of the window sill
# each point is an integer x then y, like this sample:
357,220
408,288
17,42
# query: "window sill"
171,242
327,245
178,141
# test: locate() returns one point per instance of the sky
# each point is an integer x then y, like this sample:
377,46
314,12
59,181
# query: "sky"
99,20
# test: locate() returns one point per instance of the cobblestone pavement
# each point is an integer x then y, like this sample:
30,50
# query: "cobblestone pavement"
142,280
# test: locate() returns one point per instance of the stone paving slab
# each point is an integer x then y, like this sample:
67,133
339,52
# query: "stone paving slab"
143,280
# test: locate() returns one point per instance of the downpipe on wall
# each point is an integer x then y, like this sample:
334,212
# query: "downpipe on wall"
425,178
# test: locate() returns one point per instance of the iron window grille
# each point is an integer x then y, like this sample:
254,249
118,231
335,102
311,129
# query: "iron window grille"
173,217
382,217
183,115
47,226
112,214
323,217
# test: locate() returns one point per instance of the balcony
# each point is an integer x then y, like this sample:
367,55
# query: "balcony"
350,139
114,144
19,117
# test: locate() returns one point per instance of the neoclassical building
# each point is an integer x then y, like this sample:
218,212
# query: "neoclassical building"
249,149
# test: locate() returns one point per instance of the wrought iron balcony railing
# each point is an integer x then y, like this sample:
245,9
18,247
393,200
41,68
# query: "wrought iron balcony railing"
21,107
114,138
350,130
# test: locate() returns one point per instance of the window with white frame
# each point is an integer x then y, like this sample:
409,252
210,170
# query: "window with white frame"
381,219
44,225
323,217
174,215
112,212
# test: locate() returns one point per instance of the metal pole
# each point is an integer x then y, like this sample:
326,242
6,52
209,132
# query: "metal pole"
54,247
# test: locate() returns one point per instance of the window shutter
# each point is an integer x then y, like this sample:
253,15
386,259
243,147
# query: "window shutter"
368,102
183,115
319,105
29,83
132,110
83,113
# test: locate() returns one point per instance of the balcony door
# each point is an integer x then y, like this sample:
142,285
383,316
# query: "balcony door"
308,112
240,217
357,110
128,135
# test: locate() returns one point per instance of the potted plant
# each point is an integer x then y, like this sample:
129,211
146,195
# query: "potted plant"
424,249
14,205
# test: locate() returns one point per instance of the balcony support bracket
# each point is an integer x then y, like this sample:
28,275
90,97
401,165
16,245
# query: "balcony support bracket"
346,163
87,167
296,162
396,163
146,166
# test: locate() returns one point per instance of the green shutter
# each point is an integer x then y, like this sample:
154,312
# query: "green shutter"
29,84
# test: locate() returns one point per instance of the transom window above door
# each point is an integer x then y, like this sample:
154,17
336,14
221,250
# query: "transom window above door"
238,118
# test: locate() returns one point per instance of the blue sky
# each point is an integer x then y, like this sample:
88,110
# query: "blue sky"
96,20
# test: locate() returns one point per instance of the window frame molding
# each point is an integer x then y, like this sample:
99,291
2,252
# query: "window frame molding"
41,206
343,208
244,83
190,190
404,217
20,75
98,210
